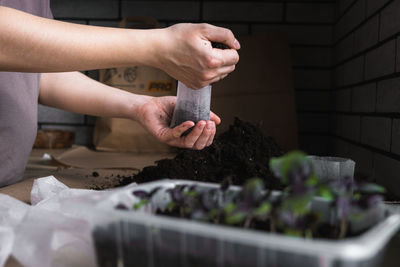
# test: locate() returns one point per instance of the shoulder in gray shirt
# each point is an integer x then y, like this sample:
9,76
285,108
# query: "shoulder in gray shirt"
19,94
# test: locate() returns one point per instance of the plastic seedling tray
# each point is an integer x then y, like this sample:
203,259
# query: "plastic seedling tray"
128,238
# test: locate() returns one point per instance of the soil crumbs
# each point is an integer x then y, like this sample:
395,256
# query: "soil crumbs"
240,153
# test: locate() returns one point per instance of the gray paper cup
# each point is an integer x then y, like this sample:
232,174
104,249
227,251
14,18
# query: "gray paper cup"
332,168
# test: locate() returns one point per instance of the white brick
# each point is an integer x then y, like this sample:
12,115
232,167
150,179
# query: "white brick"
364,98
388,96
376,132
380,61
310,12
53,115
390,20
242,11
299,34
90,9
162,10
367,35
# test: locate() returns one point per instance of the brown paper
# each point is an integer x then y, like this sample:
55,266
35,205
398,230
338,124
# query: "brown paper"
82,157
109,167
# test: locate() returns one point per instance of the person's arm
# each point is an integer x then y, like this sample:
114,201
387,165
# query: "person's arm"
33,44
75,92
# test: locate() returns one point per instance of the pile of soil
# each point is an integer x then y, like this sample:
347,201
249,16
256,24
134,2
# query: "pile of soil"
240,153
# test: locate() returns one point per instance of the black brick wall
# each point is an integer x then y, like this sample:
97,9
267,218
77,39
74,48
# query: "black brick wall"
366,78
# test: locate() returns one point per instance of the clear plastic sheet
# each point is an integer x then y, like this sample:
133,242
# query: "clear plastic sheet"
47,233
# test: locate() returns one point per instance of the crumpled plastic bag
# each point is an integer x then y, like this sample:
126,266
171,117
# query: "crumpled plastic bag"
55,230
45,188
6,243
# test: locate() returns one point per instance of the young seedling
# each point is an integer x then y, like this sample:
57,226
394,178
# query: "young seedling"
254,206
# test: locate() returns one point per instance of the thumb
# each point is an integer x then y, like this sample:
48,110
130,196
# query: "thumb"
221,35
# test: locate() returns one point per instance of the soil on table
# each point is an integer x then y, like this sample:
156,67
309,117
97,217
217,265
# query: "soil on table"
241,153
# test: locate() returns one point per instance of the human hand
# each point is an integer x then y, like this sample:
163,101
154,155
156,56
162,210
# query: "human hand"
187,55
155,115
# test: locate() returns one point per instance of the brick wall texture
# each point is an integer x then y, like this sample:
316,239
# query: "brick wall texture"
366,86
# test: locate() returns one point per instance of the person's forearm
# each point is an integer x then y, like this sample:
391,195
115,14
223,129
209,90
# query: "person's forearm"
33,44
73,91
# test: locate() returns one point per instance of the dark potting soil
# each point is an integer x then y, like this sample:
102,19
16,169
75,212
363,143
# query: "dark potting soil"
241,153
190,111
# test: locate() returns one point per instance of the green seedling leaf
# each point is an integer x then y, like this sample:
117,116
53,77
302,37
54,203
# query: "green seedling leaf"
297,204
292,232
171,205
312,180
140,204
283,166
325,192
213,213
264,209
229,208
188,210
190,193
235,218
253,184
357,216
356,196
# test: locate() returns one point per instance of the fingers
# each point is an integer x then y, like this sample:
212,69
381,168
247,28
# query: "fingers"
201,135
203,139
226,57
191,139
179,130
221,35
211,137
217,79
215,118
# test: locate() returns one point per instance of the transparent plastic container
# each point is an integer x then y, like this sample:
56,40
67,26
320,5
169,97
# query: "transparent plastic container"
127,238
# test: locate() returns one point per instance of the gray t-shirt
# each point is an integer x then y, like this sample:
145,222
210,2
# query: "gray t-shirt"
19,94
